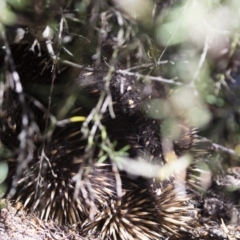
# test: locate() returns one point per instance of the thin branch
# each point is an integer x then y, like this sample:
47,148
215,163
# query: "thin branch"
160,79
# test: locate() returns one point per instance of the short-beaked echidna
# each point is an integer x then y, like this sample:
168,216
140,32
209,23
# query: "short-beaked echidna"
143,212
46,184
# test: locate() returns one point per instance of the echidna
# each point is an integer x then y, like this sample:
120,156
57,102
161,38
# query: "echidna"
144,213
46,184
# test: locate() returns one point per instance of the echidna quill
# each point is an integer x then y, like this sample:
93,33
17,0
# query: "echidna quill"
176,210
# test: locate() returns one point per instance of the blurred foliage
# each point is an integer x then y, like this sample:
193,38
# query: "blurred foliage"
171,66
190,46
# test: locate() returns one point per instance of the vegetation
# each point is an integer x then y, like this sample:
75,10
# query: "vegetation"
149,88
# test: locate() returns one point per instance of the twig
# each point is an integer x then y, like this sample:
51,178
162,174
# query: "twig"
160,79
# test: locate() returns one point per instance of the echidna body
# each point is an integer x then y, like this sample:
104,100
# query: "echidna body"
46,185
129,96
143,213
